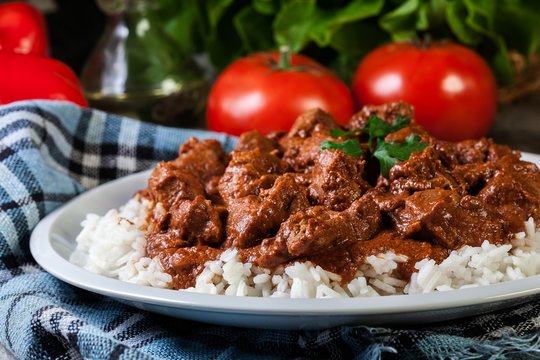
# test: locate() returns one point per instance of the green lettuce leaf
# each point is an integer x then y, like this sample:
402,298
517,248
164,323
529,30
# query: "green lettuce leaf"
254,29
266,7
339,33
302,21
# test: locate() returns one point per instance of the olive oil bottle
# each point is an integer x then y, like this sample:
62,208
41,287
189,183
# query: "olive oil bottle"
137,70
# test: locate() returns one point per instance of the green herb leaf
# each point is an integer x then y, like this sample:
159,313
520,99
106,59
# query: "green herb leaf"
349,147
378,128
386,162
400,122
390,153
339,133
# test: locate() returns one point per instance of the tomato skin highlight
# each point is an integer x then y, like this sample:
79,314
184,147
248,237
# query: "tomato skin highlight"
23,30
251,94
452,89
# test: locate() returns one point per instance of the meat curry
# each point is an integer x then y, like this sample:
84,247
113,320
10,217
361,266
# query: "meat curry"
279,198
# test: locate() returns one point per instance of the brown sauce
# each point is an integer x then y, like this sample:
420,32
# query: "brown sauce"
280,199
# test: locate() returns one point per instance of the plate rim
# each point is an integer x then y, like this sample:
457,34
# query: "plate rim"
49,259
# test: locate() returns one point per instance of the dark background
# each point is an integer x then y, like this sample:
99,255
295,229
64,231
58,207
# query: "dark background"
75,27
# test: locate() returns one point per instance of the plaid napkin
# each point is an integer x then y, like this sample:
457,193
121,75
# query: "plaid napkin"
52,151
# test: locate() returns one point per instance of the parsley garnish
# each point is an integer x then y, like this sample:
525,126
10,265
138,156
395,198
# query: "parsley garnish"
388,153
349,147
377,128
339,133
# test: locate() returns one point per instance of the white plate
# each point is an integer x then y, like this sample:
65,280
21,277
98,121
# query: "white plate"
53,240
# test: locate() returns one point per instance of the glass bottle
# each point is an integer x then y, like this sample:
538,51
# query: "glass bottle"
137,70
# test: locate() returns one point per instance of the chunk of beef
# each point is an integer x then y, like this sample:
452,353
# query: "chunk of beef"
479,151
337,180
472,151
497,152
474,176
471,222
249,172
253,218
442,217
514,190
417,208
169,185
205,160
310,123
391,240
302,144
252,140
403,134
187,223
319,230
185,264
387,112
197,221
424,170
386,200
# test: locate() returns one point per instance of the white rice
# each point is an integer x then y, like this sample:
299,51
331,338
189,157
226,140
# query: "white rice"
114,245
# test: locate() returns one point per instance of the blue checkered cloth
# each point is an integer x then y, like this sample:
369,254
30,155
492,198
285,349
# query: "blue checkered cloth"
53,151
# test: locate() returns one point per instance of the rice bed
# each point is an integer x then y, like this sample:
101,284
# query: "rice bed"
113,245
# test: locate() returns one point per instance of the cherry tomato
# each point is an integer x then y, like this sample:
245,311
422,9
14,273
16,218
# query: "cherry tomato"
254,93
451,87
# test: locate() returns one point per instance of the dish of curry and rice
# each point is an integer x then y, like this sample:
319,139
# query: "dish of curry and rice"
377,207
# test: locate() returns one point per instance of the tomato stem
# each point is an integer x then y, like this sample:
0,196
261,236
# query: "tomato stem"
424,42
284,57
427,41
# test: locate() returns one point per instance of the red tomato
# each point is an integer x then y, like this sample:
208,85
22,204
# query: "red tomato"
451,87
26,77
23,29
254,94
